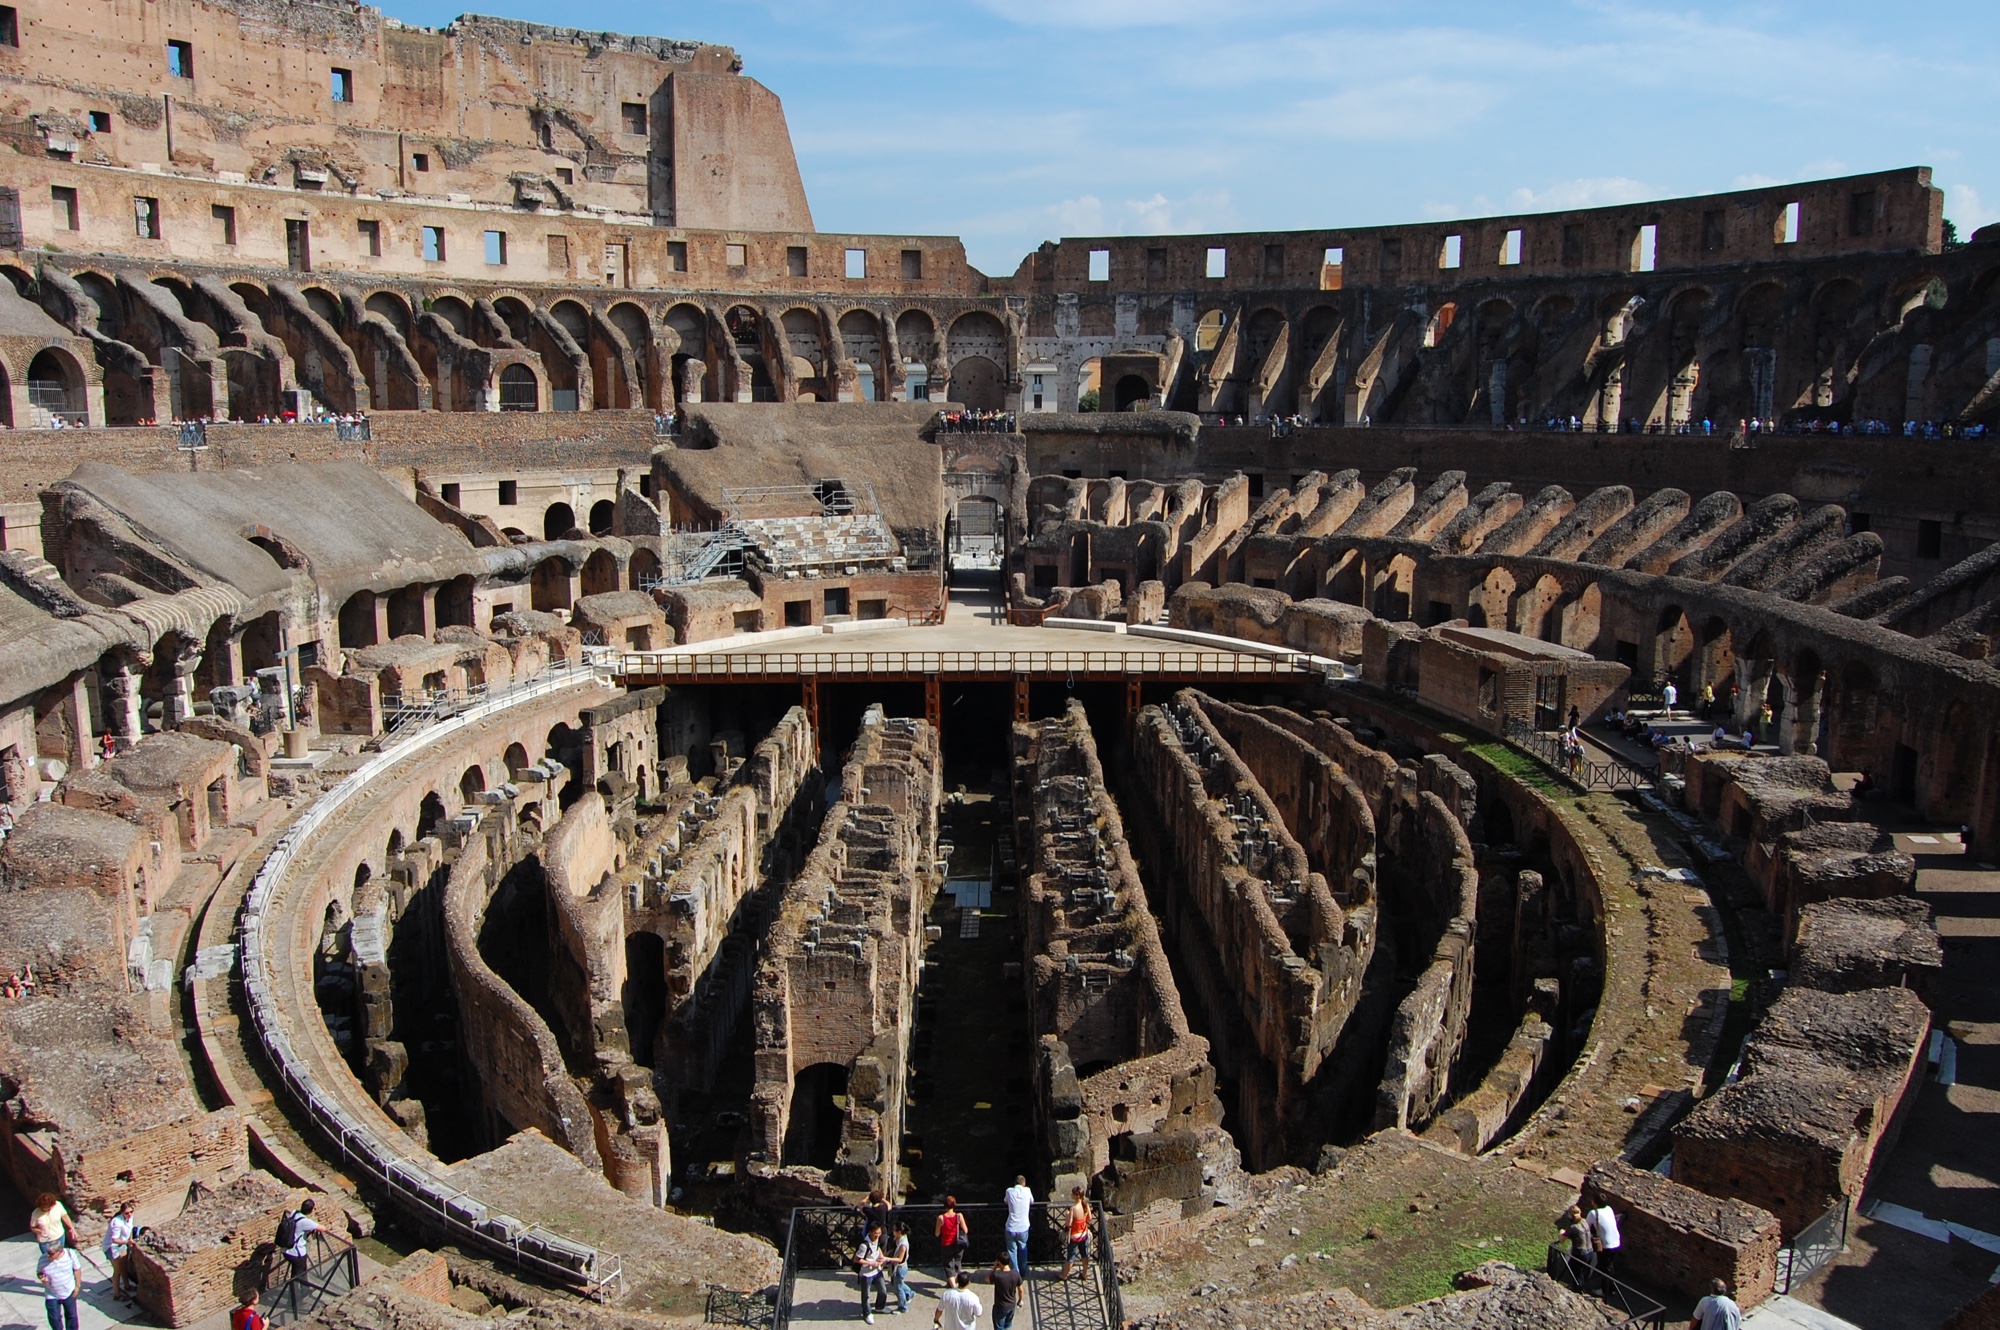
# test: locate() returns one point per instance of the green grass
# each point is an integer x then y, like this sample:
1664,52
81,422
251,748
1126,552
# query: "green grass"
1511,761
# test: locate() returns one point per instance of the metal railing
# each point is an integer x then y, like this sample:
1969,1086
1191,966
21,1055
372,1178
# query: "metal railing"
1818,1243
997,664
1640,1308
407,1181
728,1306
333,1273
1582,770
353,431
402,713
825,1238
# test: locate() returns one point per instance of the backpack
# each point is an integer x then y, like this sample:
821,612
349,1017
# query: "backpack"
288,1230
246,1318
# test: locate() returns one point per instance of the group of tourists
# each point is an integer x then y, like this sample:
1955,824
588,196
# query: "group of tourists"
60,1258
882,1258
975,422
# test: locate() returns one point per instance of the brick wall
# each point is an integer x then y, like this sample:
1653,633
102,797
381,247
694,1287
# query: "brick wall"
1678,1239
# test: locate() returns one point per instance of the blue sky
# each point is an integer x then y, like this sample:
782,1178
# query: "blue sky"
1008,122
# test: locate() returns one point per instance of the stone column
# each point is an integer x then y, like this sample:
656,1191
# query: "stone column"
76,712
124,709
381,619
180,688
430,605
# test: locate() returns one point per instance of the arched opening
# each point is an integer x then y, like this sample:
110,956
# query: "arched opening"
565,745
644,994
601,514
1130,391
637,330
861,338
357,620
1440,324
600,573
1089,385
430,816
643,573
1673,650
1582,619
1491,600
976,530
471,785
406,611
55,386
975,384
518,389
1531,610
1717,661
548,588
515,759
690,360
454,603
819,1107
558,520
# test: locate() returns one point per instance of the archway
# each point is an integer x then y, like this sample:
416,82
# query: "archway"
1129,391
55,385
357,620
975,383
812,1129
601,514
643,573
558,520
600,573
1673,649
644,993
518,389
471,785
549,586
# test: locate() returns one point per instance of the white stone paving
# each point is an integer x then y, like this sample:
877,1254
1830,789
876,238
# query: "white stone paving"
1785,1313
21,1302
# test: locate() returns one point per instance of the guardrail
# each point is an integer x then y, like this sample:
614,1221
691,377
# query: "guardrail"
998,664
1817,1243
1583,771
333,1273
405,1180
1640,1308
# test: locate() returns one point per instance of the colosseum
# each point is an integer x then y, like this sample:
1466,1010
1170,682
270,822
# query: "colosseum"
611,739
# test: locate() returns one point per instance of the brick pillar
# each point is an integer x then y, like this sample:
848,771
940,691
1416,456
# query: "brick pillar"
123,708
76,708
381,619
430,607
180,689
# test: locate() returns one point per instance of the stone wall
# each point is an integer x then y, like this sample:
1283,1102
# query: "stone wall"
1678,1239
835,991
1143,1119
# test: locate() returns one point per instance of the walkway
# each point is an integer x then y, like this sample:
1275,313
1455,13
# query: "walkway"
1946,1164
21,1303
822,1296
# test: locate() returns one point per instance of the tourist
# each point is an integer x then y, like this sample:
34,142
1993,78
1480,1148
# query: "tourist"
953,1236
868,1263
877,1213
1671,696
294,1230
118,1251
1707,700
246,1316
6,821
1020,1204
1604,1239
1077,1249
1717,1311
1864,785
958,1306
898,1270
50,1223
61,1273
1582,1268
1006,1281
1720,737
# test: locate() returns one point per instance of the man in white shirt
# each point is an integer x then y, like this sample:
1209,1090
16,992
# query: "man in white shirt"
958,1308
1020,1204
1717,1311
1604,1238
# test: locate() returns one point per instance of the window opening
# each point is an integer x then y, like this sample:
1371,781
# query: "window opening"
796,260
63,207
146,218
913,265
736,256
343,85
1510,248
433,242
634,116
370,233
857,264
180,60
225,223
1645,248
1218,262
1451,254
1100,265
1786,232
496,249
100,122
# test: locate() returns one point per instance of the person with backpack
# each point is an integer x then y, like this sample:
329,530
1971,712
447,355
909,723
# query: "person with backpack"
954,1237
61,1274
868,1262
294,1230
246,1316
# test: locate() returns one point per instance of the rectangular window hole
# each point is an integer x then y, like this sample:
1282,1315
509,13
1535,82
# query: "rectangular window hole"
1274,260
1100,265
298,244
1451,253
225,223
1930,539
1861,213
559,254
1714,231
677,256
1646,248
433,244
796,260
857,264
343,85
1218,262
180,60
913,265
510,493
1786,232
1510,248
146,218
565,175
10,26
63,208
496,248
736,256
1156,265
100,122
633,114
369,234
449,492
421,160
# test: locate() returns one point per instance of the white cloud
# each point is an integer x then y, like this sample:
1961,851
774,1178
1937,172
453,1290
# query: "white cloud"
1967,211
1596,192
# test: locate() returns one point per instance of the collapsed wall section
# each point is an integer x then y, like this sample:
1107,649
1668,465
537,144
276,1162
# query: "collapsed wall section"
834,995
1125,1092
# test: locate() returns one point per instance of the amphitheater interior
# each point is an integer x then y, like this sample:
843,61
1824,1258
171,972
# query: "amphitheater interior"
588,726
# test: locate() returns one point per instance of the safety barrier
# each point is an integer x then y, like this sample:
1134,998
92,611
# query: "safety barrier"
996,664
405,1181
